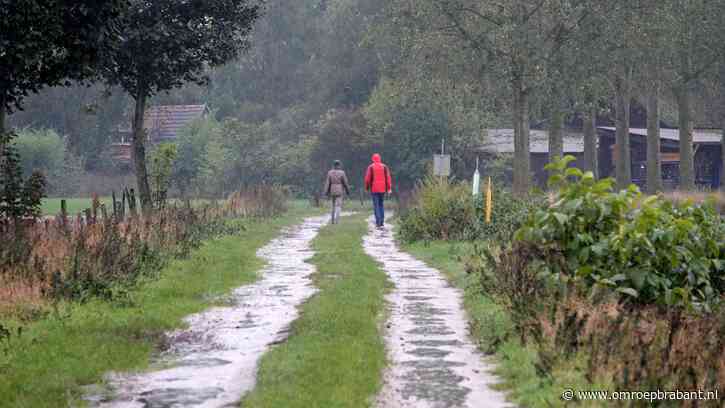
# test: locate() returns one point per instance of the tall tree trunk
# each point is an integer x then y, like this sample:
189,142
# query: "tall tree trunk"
139,152
590,142
522,165
654,167
722,145
722,124
623,161
687,162
556,138
2,111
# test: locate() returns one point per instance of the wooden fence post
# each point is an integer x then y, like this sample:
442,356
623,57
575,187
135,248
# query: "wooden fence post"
115,204
63,214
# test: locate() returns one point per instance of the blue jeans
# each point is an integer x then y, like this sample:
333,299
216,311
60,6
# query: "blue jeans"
378,208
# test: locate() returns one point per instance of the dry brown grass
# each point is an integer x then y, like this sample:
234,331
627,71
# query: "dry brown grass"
52,257
639,347
16,297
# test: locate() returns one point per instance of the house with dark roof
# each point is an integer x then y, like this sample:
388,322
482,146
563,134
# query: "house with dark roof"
707,148
162,123
501,141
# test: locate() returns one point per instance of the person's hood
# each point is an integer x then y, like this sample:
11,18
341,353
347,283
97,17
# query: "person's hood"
376,158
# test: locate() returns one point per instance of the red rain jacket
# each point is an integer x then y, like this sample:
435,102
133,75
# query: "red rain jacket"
377,177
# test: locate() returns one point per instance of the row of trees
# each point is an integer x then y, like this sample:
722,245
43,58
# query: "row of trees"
339,79
144,47
575,55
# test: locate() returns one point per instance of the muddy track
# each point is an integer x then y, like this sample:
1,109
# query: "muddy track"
433,363
213,362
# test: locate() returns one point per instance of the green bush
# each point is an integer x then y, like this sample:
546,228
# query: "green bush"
441,209
161,165
20,197
44,151
507,216
647,248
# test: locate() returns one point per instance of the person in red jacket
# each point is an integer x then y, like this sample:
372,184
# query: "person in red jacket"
378,182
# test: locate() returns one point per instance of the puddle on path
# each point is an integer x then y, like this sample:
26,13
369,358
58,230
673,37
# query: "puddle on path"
433,362
213,362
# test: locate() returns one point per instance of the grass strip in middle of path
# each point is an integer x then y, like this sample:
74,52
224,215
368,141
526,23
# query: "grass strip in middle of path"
335,354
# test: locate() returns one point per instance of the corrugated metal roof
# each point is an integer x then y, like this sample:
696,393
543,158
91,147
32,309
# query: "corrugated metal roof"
165,122
704,136
502,141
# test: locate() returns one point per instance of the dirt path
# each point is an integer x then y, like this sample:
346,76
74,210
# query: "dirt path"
432,360
214,361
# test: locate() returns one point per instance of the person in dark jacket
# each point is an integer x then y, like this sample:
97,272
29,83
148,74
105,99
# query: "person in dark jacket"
335,186
378,182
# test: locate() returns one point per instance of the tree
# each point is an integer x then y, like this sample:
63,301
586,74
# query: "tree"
18,197
162,161
44,43
516,38
167,43
622,46
721,115
695,45
654,23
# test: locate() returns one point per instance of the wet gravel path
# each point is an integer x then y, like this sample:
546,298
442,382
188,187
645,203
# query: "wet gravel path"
433,363
213,362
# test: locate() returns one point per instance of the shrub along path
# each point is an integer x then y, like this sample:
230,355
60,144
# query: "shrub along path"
433,361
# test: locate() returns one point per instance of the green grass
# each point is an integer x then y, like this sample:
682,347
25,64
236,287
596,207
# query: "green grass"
51,206
335,354
492,329
74,346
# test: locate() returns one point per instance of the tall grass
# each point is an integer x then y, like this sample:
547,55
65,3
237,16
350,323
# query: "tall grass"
97,254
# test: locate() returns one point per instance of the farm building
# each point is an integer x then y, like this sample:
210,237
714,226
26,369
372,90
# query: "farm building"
708,159
162,124
501,141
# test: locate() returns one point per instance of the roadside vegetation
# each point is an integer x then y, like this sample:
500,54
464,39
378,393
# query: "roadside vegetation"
106,291
334,355
586,263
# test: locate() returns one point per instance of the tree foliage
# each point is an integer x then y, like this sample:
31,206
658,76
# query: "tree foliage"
646,248
44,43
165,44
20,197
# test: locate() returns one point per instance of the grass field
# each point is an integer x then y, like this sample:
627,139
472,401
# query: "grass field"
74,345
335,354
491,328
51,206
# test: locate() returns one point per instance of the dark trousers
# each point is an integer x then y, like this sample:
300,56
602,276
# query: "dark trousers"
379,208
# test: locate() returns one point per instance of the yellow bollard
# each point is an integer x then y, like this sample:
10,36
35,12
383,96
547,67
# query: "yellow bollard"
489,201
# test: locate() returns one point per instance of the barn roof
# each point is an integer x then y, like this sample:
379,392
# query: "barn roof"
164,122
502,141
702,136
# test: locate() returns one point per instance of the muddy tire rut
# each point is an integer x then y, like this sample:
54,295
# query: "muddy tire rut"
432,361
213,362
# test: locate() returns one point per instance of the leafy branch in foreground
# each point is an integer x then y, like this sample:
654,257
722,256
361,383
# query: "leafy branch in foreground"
645,247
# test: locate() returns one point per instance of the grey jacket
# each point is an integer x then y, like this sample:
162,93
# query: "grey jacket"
336,183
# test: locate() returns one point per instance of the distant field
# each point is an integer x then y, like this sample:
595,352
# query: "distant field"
51,206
